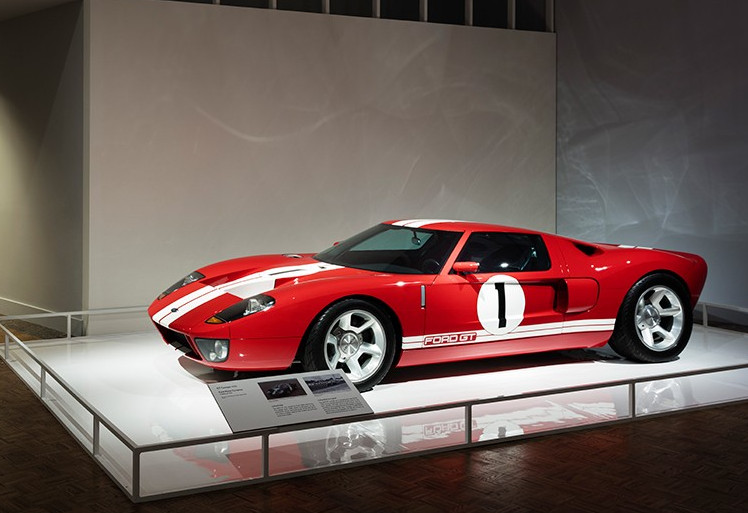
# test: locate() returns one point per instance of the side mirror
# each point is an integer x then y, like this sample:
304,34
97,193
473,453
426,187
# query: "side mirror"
465,267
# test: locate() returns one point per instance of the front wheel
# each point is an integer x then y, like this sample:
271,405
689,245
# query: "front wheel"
655,320
355,336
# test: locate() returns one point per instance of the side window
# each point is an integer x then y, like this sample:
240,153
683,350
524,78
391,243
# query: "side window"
498,252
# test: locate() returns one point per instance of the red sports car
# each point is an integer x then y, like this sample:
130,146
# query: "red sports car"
426,291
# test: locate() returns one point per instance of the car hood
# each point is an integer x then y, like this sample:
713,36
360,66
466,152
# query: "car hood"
245,277
228,282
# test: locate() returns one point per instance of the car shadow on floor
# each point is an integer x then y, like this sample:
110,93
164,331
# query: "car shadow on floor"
471,367
433,371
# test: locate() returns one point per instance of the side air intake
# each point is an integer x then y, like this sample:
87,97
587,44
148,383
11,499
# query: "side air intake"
588,249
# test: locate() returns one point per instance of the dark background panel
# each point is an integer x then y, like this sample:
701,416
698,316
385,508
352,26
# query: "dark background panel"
246,3
351,7
530,15
301,5
490,13
652,130
447,11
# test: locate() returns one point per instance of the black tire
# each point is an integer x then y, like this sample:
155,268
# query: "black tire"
365,355
655,320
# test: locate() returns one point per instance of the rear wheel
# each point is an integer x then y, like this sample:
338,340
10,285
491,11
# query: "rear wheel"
655,320
354,336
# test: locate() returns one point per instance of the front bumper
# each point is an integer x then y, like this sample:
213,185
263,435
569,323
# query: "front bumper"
245,354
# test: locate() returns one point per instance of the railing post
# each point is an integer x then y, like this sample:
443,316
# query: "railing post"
7,347
43,384
705,319
266,455
632,400
468,424
136,475
69,325
96,436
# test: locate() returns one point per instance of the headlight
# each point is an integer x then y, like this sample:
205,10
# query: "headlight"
213,350
243,308
192,277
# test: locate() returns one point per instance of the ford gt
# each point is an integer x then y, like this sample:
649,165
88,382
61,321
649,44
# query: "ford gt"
415,292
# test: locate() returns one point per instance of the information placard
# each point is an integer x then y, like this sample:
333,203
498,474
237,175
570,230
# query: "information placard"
259,403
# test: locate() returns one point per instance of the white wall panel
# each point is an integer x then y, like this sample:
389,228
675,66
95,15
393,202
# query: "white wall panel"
218,131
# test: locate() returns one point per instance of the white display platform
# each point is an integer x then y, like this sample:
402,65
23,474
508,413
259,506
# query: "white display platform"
146,414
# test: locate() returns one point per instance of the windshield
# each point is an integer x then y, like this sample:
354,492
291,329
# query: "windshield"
394,249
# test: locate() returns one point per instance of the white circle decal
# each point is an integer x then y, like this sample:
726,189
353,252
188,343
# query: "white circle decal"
501,304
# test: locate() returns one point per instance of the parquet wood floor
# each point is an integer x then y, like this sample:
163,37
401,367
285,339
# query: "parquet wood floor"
684,463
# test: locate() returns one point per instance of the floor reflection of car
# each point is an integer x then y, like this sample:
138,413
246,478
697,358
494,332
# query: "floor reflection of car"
665,395
373,439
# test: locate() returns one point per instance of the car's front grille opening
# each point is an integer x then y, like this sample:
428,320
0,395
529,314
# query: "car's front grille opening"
178,341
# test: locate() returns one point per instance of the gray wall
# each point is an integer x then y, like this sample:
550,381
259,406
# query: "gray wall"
653,129
41,149
217,132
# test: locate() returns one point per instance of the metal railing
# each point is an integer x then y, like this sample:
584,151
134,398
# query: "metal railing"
704,308
70,316
133,487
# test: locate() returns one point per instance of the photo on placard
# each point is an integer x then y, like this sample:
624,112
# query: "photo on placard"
281,388
326,383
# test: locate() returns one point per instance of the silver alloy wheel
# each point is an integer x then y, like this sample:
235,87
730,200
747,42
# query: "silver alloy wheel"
355,342
659,318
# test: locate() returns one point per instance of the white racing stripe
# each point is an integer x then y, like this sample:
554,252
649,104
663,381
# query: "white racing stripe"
243,288
529,331
418,223
262,282
179,303
206,298
626,246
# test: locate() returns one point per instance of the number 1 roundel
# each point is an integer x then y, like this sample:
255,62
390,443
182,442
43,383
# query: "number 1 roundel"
501,304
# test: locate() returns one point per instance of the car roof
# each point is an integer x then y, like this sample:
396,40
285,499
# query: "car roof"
454,226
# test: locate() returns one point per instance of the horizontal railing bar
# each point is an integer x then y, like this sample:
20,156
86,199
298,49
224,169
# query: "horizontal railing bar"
98,311
725,307
139,309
